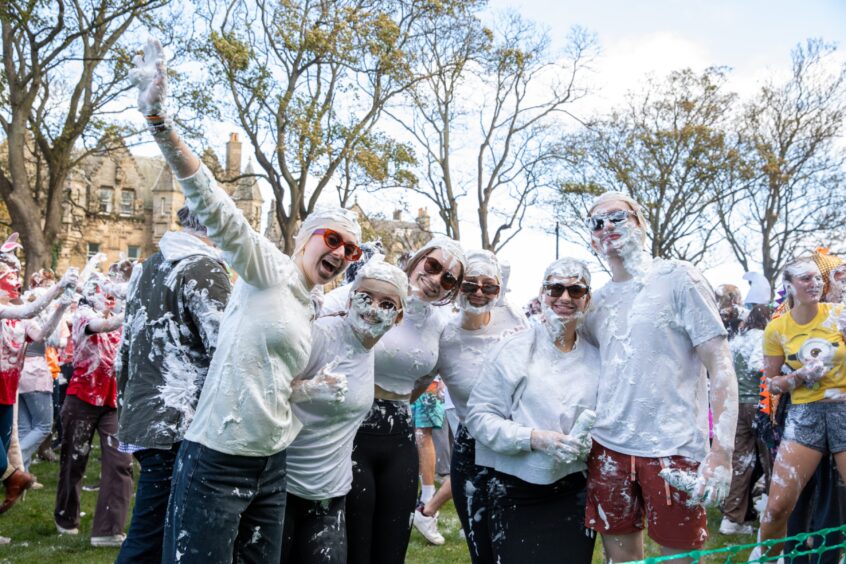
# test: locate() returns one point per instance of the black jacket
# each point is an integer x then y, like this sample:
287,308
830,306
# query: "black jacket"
174,305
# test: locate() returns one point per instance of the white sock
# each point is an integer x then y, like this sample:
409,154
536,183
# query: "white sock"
426,493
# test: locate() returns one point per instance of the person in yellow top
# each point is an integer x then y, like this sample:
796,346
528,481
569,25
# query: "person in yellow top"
809,342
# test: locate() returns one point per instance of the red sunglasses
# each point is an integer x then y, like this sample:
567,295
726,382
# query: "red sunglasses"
333,240
433,266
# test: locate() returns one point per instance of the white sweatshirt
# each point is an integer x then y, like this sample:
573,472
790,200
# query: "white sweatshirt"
320,458
462,352
264,337
527,383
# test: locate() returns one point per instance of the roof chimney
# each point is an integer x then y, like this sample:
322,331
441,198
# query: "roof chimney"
423,218
233,156
397,215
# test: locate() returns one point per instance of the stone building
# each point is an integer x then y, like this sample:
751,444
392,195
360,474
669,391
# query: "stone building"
121,204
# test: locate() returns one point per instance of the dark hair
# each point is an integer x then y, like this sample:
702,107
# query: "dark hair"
417,257
187,220
758,318
368,249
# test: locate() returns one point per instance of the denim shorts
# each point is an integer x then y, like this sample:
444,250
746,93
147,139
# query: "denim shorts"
817,425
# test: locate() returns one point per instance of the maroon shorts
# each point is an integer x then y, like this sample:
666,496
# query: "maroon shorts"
622,489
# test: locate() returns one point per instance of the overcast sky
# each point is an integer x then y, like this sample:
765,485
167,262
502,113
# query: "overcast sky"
753,37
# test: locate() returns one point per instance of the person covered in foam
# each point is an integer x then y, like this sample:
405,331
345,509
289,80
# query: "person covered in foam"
385,463
660,337
809,339
484,320
530,412
331,398
243,422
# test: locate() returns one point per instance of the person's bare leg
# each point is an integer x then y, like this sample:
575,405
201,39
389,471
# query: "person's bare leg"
793,468
667,551
426,452
623,548
443,495
840,460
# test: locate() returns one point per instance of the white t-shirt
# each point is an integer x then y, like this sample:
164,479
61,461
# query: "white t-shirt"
653,398
527,383
320,458
463,352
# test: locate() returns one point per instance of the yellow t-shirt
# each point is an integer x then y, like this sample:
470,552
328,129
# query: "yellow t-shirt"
818,339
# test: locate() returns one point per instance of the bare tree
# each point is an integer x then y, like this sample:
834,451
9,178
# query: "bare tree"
308,81
63,69
487,121
795,199
668,148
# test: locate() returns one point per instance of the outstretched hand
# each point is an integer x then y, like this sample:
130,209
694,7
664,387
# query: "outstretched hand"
150,76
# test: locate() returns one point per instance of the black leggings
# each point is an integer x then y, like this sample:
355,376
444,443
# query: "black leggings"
384,489
315,532
539,523
470,495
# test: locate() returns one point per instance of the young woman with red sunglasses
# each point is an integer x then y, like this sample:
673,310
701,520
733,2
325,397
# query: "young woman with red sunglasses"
228,497
484,321
381,502
530,412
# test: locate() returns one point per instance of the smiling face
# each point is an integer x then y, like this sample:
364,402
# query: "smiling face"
478,301
375,306
619,232
804,283
320,264
426,283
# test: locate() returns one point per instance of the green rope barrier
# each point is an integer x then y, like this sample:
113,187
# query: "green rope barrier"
731,554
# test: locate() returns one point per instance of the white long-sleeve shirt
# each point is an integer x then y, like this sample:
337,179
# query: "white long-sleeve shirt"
320,458
462,352
527,383
264,337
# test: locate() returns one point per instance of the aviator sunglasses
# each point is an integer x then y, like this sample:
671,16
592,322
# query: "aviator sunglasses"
596,222
575,291
333,240
472,288
432,266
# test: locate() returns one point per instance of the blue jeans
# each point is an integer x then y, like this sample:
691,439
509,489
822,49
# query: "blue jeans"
35,422
6,420
146,531
225,508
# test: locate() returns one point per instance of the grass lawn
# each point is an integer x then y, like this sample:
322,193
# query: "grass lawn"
34,537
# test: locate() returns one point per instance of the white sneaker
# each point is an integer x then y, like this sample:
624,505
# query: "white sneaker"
729,527
63,531
110,540
428,527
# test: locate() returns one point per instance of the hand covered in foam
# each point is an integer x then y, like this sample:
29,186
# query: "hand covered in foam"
708,487
327,386
70,280
561,447
812,371
150,76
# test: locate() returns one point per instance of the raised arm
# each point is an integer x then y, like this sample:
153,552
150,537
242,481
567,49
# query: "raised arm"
33,308
105,324
252,256
38,332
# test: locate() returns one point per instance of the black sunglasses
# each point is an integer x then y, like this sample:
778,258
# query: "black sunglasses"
385,304
472,288
597,222
575,291
432,266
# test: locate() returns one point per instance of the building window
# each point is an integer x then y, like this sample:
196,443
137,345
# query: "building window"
107,198
93,249
162,207
133,252
127,202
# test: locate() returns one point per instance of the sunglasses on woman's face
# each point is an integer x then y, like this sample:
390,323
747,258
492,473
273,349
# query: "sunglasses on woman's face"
575,291
433,266
333,240
472,288
597,222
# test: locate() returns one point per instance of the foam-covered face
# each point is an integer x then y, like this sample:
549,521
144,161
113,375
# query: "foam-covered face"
561,310
478,301
806,283
322,264
836,284
427,285
10,282
616,238
96,295
375,306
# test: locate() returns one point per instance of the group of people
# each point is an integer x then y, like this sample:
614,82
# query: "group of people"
272,422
